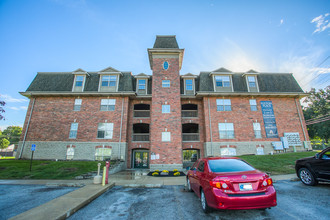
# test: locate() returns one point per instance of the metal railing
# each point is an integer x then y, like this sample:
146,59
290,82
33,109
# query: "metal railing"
141,137
189,113
190,137
141,113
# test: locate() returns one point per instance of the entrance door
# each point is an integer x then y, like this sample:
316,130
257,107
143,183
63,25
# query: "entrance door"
141,159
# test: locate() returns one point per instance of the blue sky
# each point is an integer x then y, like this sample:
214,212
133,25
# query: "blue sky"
64,35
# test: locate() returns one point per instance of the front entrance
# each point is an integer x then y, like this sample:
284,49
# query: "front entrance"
190,157
141,159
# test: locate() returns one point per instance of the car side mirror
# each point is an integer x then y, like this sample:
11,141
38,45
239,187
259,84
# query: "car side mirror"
317,156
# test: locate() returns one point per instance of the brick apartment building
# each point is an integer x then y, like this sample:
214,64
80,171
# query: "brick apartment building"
160,121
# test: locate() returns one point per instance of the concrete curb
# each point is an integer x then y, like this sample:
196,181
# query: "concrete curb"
64,206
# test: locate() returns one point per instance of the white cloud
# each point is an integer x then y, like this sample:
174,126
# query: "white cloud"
321,23
8,98
281,22
18,108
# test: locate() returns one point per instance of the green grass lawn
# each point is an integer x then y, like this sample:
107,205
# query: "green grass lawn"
276,164
45,169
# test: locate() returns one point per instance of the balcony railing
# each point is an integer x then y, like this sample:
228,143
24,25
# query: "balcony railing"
190,137
141,113
189,113
141,137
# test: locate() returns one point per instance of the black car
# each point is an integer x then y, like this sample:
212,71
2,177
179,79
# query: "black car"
311,170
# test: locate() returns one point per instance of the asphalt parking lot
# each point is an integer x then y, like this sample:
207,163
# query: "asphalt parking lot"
295,201
16,199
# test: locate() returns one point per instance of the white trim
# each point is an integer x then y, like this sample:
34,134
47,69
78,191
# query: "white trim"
137,85
247,81
231,83
74,82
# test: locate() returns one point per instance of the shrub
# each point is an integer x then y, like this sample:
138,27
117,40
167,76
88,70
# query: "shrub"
176,174
165,171
175,170
155,174
156,170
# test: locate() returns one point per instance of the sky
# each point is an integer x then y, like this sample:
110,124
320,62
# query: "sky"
64,35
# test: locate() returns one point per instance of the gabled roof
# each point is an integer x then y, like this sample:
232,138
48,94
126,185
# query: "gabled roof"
79,70
251,71
221,70
189,75
109,70
142,75
166,41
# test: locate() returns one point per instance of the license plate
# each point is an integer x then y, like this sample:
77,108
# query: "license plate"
245,186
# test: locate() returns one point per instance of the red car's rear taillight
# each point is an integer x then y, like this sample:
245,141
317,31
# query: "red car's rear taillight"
267,182
219,184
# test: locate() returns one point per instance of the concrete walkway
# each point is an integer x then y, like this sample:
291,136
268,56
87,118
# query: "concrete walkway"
64,206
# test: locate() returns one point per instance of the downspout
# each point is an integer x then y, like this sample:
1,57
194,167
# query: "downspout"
26,130
121,126
300,118
208,99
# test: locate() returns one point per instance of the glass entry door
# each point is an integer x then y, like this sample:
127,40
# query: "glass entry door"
141,159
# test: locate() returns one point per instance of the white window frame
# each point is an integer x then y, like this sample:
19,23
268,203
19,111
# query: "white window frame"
107,128
100,153
108,105
110,79
253,105
192,84
69,153
166,136
260,151
142,84
223,105
226,130
257,130
75,82
166,83
248,83
222,80
166,109
228,151
77,104
73,130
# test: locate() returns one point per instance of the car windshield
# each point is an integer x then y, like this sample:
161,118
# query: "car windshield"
229,165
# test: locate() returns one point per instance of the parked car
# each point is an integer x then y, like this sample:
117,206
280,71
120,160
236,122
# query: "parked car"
230,183
311,170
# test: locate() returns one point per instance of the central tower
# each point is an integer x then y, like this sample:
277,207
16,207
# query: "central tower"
166,130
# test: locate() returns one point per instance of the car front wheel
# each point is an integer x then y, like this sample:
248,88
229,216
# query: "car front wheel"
205,207
307,177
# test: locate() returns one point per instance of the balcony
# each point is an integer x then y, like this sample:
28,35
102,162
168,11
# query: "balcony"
141,137
187,137
141,111
189,111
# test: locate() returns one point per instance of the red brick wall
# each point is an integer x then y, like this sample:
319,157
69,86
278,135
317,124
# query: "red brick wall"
52,117
285,111
170,152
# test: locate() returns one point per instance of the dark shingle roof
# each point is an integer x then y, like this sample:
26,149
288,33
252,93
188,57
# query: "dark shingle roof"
166,42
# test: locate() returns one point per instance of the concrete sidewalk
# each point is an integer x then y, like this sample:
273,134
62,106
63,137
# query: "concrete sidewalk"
64,206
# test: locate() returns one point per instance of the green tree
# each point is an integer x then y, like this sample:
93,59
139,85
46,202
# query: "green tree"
13,134
4,143
2,103
318,107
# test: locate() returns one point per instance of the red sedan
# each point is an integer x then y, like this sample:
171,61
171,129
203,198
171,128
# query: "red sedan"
230,183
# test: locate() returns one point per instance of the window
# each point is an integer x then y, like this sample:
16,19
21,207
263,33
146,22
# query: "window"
166,136
222,81
229,165
102,153
77,104
253,105
166,108
142,84
228,151
252,81
226,130
109,80
257,130
73,131
223,105
79,81
189,84
105,130
166,83
260,151
69,153
201,166
108,104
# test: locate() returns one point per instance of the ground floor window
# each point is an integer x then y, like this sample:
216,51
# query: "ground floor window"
102,153
69,153
226,130
228,151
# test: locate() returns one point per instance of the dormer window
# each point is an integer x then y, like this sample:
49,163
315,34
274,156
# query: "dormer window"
79,83
142,84
252,83
222,81
108,81
189,84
